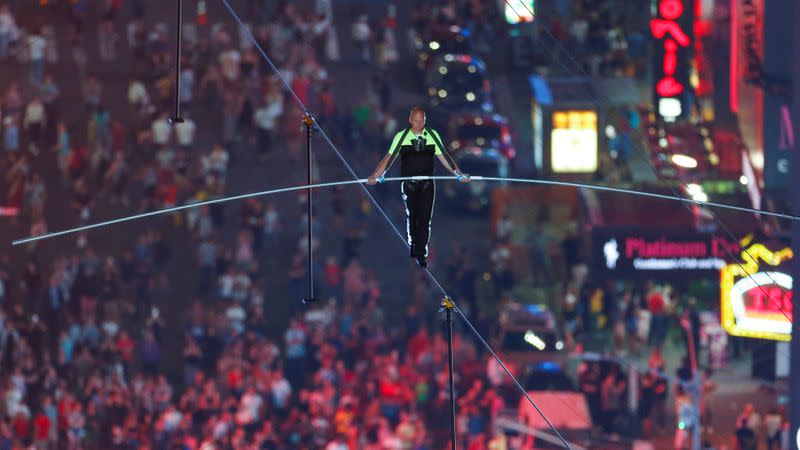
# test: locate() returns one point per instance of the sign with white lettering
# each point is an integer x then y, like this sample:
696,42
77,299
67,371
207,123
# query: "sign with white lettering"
642,253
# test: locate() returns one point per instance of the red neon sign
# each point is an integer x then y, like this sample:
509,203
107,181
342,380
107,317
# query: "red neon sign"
667,28
768,299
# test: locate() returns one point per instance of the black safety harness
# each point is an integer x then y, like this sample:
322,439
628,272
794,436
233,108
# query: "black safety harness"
436,140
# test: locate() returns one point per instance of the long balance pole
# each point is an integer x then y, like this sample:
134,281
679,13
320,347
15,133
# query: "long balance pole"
308,121
447,303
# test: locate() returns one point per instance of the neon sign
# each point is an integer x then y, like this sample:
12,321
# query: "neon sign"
672,70
650,252
758,305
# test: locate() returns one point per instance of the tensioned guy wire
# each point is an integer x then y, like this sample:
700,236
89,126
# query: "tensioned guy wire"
362,181
685,201
366,191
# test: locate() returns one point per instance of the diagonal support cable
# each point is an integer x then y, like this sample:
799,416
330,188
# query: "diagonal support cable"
355,177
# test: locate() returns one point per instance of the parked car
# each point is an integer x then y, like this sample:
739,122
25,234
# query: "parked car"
528,334
475,196
567,408
481,130
459,83
439,40
547,376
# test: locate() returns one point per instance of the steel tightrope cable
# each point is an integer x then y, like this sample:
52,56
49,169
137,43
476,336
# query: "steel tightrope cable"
361,182
173,209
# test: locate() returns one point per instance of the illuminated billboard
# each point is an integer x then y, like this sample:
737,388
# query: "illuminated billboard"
573,142
517,11
758,305
658,253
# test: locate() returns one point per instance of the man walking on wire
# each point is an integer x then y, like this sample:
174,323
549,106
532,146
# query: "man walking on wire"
416,146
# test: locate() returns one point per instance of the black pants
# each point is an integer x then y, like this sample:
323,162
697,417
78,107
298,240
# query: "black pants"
419,197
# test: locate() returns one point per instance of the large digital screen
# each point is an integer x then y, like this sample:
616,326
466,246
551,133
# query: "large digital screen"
573,142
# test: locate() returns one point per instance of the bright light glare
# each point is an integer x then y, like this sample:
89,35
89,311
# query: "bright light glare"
517,11
696,192
743,179
687,162
442,93
534,340
434,45
559,345
669,108
470,96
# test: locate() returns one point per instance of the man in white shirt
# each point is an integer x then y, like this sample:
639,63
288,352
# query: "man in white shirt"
161,130
361,33
250,407
6,26
229,62
33,124
138,97
265,119
184,133
36,47
280,389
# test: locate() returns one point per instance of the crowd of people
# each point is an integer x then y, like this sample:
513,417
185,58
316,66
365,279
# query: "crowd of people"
82,339
83,359
603,38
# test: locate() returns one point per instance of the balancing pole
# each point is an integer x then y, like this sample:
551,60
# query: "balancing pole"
177,118
308,121
447,305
